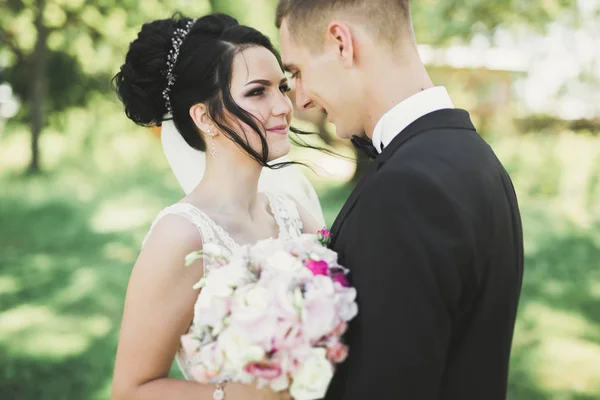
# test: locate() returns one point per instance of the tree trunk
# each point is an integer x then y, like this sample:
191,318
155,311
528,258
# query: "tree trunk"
38,86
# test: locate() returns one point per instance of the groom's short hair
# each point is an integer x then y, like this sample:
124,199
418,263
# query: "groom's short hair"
307,19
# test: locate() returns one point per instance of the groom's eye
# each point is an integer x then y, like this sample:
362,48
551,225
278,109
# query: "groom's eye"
285,88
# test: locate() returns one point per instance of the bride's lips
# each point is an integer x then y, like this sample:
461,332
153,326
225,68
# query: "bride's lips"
279,129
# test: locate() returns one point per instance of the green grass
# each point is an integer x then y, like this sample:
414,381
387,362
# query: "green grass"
68,240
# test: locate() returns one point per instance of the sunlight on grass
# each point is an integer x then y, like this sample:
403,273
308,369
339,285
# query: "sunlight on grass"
83,282
559,355
121,214
546,320
569,365
69,238
40,332
594,288
116,251
13,151
8,285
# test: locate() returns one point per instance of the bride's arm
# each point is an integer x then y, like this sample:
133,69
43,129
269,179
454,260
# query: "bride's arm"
158,310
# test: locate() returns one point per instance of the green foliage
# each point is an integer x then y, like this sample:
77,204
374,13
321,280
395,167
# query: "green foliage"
88,40
442,22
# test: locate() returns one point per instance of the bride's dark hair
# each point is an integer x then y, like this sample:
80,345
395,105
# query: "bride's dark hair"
203,75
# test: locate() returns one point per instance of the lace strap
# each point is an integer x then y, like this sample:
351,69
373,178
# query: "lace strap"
211,232
187,211
286,215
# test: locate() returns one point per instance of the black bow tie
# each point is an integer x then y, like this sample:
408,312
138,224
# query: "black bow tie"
365,145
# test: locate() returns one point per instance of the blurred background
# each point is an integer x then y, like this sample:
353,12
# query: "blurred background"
80,184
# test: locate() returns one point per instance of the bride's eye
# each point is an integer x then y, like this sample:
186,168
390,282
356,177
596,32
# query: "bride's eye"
255,92
285,88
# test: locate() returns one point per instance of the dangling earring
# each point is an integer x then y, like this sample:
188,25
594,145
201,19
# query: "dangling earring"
214,148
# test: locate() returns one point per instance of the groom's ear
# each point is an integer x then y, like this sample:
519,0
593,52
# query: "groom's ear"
339,39
199,114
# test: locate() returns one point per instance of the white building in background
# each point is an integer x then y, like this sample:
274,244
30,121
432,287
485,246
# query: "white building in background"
557,73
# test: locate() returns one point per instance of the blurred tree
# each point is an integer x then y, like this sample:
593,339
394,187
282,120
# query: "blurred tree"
440,22
60,52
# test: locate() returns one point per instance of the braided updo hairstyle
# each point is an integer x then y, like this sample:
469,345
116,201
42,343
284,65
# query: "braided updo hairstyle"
202,73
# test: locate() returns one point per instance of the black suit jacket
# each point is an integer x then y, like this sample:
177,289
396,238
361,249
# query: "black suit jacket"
432,237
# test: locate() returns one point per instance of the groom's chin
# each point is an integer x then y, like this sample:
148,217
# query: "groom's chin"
343,132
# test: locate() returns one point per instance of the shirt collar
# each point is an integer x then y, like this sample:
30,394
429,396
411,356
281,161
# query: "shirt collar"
407,111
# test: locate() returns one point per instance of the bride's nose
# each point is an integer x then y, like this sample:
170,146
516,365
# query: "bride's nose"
282,106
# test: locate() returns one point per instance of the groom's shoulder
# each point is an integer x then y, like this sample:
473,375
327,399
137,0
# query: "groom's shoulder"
442,151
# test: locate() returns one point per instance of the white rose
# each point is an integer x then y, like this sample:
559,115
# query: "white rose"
210,310
262,248
252,314
218,283
312,380
222,281
238,350
251,302
345,304
319,312
283,261
237,273
280,383
211,356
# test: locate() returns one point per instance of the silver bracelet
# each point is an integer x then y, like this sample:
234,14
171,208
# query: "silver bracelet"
219,393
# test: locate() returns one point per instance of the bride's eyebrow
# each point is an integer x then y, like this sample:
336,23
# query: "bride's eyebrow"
266,82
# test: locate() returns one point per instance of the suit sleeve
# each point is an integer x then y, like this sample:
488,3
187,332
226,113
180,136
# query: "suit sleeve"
408,263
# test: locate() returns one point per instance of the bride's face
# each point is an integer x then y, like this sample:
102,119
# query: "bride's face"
259,86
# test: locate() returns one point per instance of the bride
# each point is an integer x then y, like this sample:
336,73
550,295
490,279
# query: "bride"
223,85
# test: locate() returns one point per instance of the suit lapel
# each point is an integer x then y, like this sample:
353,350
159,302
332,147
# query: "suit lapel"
447,118
349,204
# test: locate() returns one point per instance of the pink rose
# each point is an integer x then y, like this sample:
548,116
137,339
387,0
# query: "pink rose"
288,335
340,329
318,267
263,369
324,232
337,352
324,237
341,279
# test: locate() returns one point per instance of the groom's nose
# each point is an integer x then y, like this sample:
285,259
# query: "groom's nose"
303,102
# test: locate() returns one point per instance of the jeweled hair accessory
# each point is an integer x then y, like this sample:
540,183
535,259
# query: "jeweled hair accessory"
177,39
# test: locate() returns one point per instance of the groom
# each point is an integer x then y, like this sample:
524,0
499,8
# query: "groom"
432,233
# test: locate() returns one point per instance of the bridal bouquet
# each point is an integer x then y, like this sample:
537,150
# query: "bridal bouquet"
272,313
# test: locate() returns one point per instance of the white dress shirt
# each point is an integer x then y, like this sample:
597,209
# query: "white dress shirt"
407,111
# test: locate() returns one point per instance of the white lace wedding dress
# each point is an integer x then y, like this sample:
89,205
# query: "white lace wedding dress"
282,207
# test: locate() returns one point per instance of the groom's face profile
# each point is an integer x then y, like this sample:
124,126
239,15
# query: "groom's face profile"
333,47
324,80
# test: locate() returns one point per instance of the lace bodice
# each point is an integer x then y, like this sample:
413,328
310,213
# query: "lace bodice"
283,208
284,211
